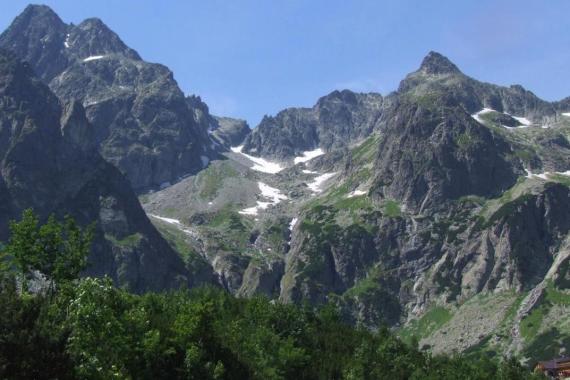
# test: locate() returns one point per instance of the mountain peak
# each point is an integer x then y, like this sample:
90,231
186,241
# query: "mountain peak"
436,63
38,10
93,37
40,15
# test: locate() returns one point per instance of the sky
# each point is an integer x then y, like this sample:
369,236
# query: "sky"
249,58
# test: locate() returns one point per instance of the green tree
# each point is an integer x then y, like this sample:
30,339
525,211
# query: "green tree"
57,250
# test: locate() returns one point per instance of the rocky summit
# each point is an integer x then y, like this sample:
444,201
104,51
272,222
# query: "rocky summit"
142,122
441,210
48,162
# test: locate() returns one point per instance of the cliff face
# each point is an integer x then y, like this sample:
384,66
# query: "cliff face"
48,163
335,121
142,122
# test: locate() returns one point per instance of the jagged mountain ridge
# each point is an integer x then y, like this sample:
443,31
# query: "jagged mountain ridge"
421,203
432,208
336,120
49,164
344,117
143,123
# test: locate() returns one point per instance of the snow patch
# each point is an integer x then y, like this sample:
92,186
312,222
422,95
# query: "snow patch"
316,185
293,223
93,58
308,155
260,164
66,42
205,161
167,220
523,120
174,222
545,175
270,193
482,112
249,211
309,172
567,114
356,193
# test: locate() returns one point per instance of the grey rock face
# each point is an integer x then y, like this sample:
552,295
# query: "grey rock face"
430,155
142,122
231,132
335,121
43,168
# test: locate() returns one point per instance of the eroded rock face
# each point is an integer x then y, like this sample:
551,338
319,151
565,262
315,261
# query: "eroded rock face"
429,155
142,122
335,121
48,164
437,163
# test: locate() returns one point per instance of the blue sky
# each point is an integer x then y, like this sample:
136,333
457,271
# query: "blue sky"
248,58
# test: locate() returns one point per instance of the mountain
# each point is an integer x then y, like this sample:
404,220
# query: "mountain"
49,162
437,76
143,123
335,121
440,209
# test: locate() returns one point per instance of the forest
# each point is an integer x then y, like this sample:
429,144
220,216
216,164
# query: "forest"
73,327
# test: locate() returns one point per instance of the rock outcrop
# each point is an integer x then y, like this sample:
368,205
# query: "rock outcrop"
47,163
142,122
335,121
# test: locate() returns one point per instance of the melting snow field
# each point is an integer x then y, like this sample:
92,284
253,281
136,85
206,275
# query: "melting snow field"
482,112
308,155
356,193
93,58
525,123
567,114
523,120
272,194
293,223
260,164
174,222
545,175
315,186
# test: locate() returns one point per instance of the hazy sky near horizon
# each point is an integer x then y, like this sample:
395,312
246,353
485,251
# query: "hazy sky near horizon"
248,58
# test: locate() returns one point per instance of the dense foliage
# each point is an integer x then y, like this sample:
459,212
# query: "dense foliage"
89,329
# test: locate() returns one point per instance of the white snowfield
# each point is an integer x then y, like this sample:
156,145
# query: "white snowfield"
260,164
523,120
316,185
272,194
93,58
308,155
293,223
567,114
174,222
66,42
545,175
482,112
356,193
309,172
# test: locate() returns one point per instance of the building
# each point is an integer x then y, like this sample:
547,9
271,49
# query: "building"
555,369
